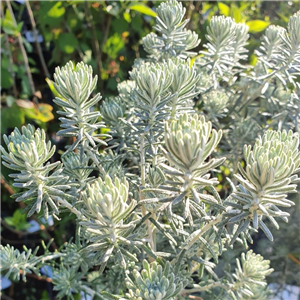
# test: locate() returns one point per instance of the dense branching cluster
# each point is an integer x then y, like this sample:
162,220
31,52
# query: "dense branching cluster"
173,40
29,154
151,219
154,283
248,280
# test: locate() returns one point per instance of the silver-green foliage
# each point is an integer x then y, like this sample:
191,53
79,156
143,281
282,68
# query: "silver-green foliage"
154,283
29,155
248,280
151,222
75,85
106,209
270,174
174,40
26,262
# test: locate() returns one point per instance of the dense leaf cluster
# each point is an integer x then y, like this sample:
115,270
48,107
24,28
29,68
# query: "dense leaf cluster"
152,215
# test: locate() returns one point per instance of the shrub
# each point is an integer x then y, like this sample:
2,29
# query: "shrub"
154,221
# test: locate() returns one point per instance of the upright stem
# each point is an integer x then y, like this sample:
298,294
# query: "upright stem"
38,46
174,108
201,231
143,183
143,164
77,47
95,159
23,51
95,40
11,63
189,12
154,159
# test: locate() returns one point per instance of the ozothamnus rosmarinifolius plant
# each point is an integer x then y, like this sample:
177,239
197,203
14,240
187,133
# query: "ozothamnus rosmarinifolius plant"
153,223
